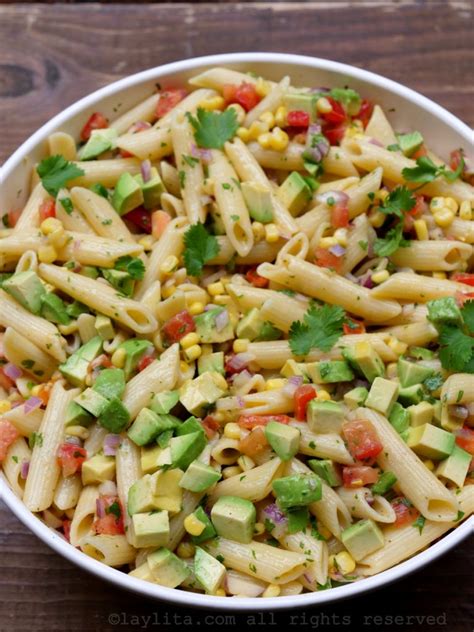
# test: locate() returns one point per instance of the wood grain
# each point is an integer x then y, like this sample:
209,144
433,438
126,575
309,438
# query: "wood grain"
51,55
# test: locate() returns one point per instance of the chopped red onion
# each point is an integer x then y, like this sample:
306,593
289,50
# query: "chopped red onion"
12,371
139,126
240,401
366,280
374,141
111,443
292,384
460,412
339,197
31,404
222,320
25,468
274,514
100,507
202,154
239,379
145,169
240,361
337,250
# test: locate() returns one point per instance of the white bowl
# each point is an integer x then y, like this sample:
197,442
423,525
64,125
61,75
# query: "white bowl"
407,109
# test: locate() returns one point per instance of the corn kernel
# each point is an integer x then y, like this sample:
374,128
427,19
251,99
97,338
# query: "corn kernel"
465,211
444,217
391,370
169,265
186,550
220,592
323,395
274,384
240,345
323,105
324,531
233,470
222,299
279,139
244,134
167,291
239,112
272,234
232,431
118,358
451,203
397,346
257,128
377,218
184,367
77,431
345,562
258,230
380,276
58,238
193,352
265,140
381,194
5,406
258,528
219,417
196,308
272,590
327,242
268,118
281,116
436,204
50,224
216,288
262,87
147,242
246,463
429,464
421,229
214,103
47,254
189,340
340,235
193,525
440,275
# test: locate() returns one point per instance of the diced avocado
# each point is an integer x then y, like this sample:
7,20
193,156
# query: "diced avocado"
420,354
385,481
291,367
97,469
363,357
167,493
99,141
455,467
329,371
382,395
167,569
115,417
208,531
234,518
76,308
148,425
163,402
437,412
90,272
206,327
54,309
410,373
410,143
297,490
420,414
135,350
76,366
77,416
356,397
127,194
268,332
199,477
211,362
444,311
250,325
301,101
410,395
432,442
152,189
295,193
4,276
110,383
399,418
362,539
183,450
149,459
92,401
141,497
190,425
206,389
150,529
258,199
120,280
104,327
283,439
164,438
27,289
209,572
327,470
324,416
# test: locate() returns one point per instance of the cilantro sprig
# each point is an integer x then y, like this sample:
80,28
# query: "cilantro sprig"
133,265
321,328
456,339
213,129
393,240
399,201
200,247
426,171
55,173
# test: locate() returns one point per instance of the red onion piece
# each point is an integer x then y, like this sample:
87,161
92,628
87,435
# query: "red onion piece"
292,384
31,404
460,412
139,126
202,154
25,467
100,507
240,361
337,250
239,379
374,141
240,401
221,320
339,197
12,371
274,514
111,443
145,169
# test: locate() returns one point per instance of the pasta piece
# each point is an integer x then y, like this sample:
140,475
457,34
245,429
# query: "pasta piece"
379,128
144,111
25,422
316,552
324,446
105,172
17,456
254,484
20,351
84,515
416,287
363,504
62,144
68,491
112,550
29,218
428,256
269,103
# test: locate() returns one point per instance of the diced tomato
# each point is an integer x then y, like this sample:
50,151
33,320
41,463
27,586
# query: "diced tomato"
101,362
254,443
177,327
44,392
325,259
404,511
5,382
361,439
252,421
210,425
8,435
337,115
365,112
96,121
340,215
228,92
168,100
47,209
66,527
334,134
71,457
419,208
140,217
145,361
303,395
408,222
358,475
298,118
463,277
11,218
123,153
159,221
465,439
353,326
419,153
110,521
246,95
255,279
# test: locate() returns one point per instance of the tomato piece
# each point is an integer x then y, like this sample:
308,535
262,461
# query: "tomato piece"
110,516
465,439
47,209
463,277
325,259
66,527
404,511
169,98
408,223
10,219
334,134
254,443
44,392
419,208
337,115
303,395
8,435
145,361
255,279
228,92
419,153
70,458
140,218
246,95
365,112
5,382
353,326
252,421
123,153
340,215
159,221
96,121
177,327
101,362
362,439
298,118
358,475
210,425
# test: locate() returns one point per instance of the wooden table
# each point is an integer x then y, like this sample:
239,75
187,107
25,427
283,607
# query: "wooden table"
50,55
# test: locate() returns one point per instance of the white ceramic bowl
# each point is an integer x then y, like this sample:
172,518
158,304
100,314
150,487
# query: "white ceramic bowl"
408,110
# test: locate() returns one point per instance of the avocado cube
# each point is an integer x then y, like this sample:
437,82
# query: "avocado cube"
295,193
291,367
211,362
120,280
367,361
410,143
410,373
208,532
167,569
115,417
150,529
420,414
268,332
356,397
399,418
76,308
362,539
283,439
297,490
209,572
432,442
135,349
301,101
258,199
140,496
76,367
199,477
444,311
97,469
384,483
183,450
411,394
206,389
127,194
234,518
91,272
167,493
110,383
324,417
54,309
327,470
250,325
4,276
152,189
77,416
206,327
420,354
27,289
145,427
382,395
455,467
92,401
163,402
190,425
104,327
329,371
149,459
99,141
437,413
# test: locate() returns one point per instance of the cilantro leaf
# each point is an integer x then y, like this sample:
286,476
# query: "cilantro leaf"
434,382
393,240
66,203
456,348
419,523
398,201
426,171
200,247
348,97
55,172
467,312
213,129
133,265
321,328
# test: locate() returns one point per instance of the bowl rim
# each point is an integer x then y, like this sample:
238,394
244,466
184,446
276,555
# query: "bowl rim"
185,598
